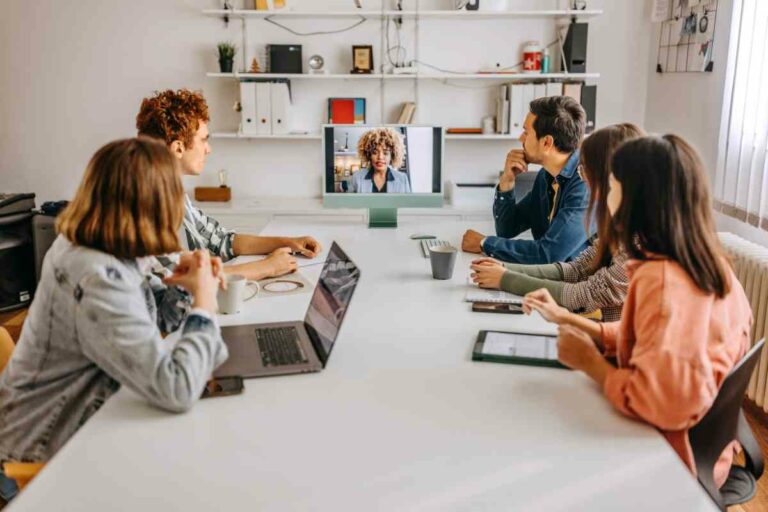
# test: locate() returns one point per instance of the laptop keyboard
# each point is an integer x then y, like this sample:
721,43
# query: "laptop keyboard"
280,346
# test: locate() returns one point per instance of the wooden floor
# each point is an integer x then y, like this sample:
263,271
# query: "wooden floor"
758,419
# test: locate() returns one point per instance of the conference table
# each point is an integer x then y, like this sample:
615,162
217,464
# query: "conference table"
400,419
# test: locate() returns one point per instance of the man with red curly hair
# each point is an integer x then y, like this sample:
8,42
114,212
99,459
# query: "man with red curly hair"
180,118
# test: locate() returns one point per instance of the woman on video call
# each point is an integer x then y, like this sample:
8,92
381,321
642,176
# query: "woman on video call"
381,152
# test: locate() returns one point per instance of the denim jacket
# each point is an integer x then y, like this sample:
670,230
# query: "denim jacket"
92,327
561,240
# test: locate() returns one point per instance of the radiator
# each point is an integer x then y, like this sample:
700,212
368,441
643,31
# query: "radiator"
750,263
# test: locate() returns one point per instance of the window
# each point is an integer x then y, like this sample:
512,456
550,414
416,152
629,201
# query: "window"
741,181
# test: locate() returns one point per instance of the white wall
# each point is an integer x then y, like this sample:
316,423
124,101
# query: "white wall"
72,75
689,104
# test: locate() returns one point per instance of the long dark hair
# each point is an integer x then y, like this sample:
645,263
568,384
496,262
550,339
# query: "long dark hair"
596,153
666,209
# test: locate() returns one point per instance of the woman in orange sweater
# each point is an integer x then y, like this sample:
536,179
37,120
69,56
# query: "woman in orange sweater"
686,320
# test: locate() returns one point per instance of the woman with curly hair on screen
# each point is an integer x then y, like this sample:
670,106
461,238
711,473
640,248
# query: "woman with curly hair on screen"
381,151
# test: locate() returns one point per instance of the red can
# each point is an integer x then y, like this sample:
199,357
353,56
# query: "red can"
532,56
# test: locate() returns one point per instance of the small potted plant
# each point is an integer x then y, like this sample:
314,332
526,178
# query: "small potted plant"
226,56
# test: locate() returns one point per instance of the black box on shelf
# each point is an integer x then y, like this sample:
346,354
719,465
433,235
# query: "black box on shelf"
284,58
575,48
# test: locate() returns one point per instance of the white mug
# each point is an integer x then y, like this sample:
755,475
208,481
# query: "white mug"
231,300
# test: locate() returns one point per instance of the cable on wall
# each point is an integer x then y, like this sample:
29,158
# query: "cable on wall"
269,19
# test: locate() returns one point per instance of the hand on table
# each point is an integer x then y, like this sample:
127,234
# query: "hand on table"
201,275
471,242
541,300
280,262
487,275
575,348
304,245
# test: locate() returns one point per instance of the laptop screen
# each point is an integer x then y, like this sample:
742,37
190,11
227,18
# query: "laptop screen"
330,301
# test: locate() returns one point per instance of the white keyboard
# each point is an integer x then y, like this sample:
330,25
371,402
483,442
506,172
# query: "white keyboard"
426,244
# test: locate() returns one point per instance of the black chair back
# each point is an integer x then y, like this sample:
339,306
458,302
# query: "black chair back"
723,423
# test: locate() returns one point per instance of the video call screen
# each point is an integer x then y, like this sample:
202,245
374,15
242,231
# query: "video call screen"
382,159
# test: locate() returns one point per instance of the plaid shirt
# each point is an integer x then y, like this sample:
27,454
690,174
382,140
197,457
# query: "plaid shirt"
202,232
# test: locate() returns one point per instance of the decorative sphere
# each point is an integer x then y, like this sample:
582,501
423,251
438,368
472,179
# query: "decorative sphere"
316,62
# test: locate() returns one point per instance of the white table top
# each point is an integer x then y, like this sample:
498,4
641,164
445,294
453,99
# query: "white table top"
401,418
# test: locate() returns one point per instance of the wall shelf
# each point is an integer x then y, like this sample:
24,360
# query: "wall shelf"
504,77
290,136
481,136
491,78
468,15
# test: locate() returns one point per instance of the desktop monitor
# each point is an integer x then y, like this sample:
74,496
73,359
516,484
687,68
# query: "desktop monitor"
382,167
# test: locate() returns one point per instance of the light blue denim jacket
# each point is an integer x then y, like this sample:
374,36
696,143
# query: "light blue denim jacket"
92,327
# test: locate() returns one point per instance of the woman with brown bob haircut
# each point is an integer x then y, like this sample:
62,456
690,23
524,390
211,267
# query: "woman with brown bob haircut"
381,152
92,325
595,280
686,321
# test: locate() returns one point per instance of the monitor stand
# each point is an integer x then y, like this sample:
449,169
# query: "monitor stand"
382,217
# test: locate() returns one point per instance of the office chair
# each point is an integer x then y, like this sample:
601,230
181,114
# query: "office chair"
723,423
22,472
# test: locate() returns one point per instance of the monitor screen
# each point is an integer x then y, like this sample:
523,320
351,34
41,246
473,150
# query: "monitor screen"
330,301
385,159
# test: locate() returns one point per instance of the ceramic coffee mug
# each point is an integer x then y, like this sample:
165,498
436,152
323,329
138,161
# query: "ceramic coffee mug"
231,300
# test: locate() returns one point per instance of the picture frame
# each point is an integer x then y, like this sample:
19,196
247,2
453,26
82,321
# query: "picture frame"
362,59
346,111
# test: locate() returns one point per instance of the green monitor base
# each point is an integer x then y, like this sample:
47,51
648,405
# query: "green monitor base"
382,217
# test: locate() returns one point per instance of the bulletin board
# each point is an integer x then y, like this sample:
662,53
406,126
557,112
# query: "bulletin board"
687,37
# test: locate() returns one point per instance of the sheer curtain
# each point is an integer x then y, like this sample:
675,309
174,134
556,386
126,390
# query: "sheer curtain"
740,185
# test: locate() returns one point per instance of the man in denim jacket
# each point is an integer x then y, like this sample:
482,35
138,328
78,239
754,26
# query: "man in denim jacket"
554,209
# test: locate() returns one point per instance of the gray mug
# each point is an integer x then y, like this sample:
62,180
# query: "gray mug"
443,259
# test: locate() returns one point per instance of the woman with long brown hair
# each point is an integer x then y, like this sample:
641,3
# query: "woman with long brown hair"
595,280
92,326
686,321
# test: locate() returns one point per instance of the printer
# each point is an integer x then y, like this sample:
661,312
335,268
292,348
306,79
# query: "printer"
17,261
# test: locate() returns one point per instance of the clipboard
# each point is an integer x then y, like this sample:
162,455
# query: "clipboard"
517,348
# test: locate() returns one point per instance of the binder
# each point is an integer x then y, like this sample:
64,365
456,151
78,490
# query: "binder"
539,91
248,124
554,89
263,109
280,110
572,89
516,111
528,97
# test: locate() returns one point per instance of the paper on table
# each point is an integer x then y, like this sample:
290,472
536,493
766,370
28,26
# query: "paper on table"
498,296
520,345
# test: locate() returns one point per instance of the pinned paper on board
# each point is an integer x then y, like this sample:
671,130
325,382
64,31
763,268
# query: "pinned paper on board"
686,36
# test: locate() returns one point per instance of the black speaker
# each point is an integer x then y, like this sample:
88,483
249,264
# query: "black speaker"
575,48
284,58
589,102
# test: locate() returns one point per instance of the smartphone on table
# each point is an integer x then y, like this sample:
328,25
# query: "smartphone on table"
496,307
223,386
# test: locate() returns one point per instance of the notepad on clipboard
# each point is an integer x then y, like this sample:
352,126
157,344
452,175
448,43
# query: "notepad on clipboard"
475,294
516,348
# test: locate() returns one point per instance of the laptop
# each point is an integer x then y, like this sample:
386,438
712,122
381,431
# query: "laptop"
282,348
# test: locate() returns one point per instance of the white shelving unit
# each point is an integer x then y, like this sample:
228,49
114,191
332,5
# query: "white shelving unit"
289,136
470,15
504,77
383,15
